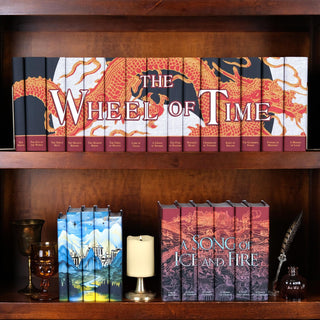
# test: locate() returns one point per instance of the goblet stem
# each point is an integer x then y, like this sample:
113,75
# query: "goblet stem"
30,288
30,285
44,285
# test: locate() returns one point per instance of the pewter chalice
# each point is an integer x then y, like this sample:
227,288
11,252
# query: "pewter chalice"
28,231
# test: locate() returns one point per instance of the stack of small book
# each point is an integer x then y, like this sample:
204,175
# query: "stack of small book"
160,104
214,251
90,255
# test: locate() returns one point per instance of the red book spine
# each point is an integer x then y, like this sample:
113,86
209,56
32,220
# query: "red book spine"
75,99
192,112
35,86
296,103
205,224
209,114
175,108
188,258
136,96
157,98
242,254
273,99
229,128
170,252
94,104
56,90
224,242
115,96
250,104
259,250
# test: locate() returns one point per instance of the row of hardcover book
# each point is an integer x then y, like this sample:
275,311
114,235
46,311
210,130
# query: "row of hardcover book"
214,251
160,104
90,255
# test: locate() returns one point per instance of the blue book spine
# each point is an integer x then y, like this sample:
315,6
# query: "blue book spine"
115,254
74,254
101,249
62,257
87,243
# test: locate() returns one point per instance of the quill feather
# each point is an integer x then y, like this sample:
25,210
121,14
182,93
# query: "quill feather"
291,232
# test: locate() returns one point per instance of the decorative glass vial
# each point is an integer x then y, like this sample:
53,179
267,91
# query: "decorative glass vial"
293,286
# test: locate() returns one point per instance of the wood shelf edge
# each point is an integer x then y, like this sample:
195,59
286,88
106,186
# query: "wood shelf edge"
165,160
160,8
161,310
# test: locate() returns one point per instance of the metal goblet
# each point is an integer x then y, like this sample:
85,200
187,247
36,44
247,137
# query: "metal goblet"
27,232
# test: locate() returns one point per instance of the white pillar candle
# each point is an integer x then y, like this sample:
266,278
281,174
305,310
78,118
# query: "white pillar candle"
140,256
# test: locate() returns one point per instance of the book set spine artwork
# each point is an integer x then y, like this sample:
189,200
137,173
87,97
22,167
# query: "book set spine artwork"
36,103
94,109
56,91
63,257
115,106
18,97
214,251
272,84
203,241
224,248
186,104
115,254
189,253
90,255
101,250
170,252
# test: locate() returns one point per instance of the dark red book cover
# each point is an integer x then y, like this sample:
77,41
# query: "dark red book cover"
115,96
249,114
18,97
242,255
224,245
295,103
136,97
209,104
192,113
170,252
157,98
75,100
56,91
273,101
229,126
204,243
259,250
36,103
189,252
94,107
175,108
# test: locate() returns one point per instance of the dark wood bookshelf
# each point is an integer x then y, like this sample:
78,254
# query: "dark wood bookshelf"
41,184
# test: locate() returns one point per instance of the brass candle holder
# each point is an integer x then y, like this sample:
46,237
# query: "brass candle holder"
27,232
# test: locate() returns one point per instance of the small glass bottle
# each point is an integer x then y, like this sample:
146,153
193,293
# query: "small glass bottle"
293,286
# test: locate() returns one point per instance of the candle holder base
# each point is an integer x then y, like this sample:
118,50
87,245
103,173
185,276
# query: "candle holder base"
140,296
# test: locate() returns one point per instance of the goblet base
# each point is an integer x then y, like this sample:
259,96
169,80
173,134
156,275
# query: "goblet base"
43,297
29,290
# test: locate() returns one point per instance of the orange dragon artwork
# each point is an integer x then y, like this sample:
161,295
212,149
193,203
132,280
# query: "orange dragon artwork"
106,84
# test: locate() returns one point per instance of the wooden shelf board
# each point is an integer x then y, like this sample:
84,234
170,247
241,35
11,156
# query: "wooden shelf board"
161,310
160,8
166,160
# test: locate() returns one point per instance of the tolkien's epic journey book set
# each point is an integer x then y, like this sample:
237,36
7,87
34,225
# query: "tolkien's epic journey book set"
90,255
160,104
